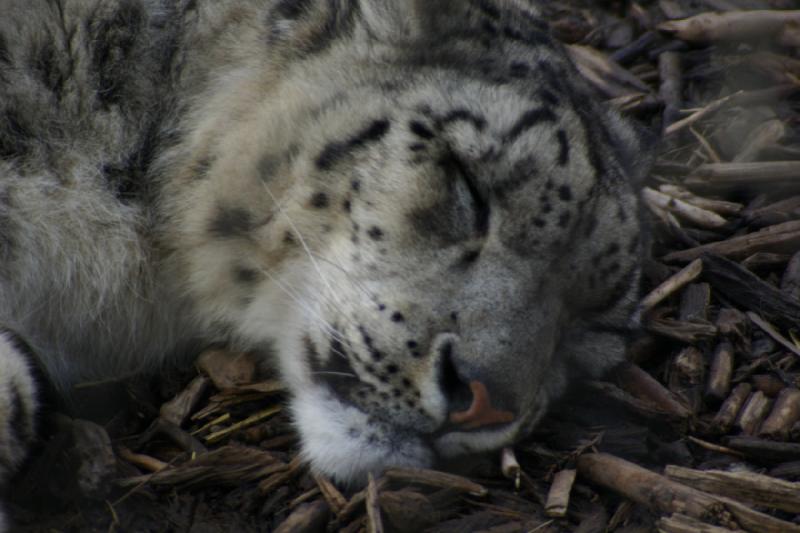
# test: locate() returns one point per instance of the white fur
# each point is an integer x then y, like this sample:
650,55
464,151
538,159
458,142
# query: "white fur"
16,392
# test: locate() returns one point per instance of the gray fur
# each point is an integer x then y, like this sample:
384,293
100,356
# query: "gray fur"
388,196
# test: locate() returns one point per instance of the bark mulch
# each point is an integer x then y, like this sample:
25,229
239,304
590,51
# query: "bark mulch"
700,431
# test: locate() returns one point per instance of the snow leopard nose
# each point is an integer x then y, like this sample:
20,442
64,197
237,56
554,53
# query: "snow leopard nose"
469,400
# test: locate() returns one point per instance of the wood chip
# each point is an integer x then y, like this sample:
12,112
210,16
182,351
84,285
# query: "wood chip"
666,496
731,26
785,413
558,497
308,518
747,487
509,466
226,369
770,330
643,386
721,207
729,411
433,478
719,377
374,522
178,409
698,216
672,285
763,449
146,462
722,176
753,413
680,523
335,499
781,238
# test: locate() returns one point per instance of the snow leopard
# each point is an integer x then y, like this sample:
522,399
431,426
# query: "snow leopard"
417,210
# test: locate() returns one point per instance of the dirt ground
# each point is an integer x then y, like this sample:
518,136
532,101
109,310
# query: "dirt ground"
699,432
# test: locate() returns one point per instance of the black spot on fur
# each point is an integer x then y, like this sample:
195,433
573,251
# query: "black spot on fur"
519,70
355,185
563,148
231,222
47,65
16,136
397,316
113,54
337,150
347,206
412,344
534,37
528,120
245,275
565,193
375,233
563,219
469,257
488,9
539,223
421,130
417,147
291,9
319,200
549,97
5,55
462,115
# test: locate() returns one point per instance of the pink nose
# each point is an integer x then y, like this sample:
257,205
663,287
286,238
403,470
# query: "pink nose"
480,413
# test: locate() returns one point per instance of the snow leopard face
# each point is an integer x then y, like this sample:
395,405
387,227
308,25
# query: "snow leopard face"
432,228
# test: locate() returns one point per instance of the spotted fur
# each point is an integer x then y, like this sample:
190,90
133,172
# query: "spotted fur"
391,199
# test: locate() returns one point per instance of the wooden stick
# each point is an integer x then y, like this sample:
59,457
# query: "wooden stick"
374,522
731,26
766,134
730,408
672,285
335,499
680,523
717,206
747,487
770,330
435,478
753,413
558,497
779,238
719,378
756,174
784,415
705,111
643,386
764,450
509,466
147,462
666,496
306,518
178,409
710,446
671,88
696,215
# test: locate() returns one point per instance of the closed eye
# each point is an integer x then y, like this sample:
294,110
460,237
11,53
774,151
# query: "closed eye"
480,206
